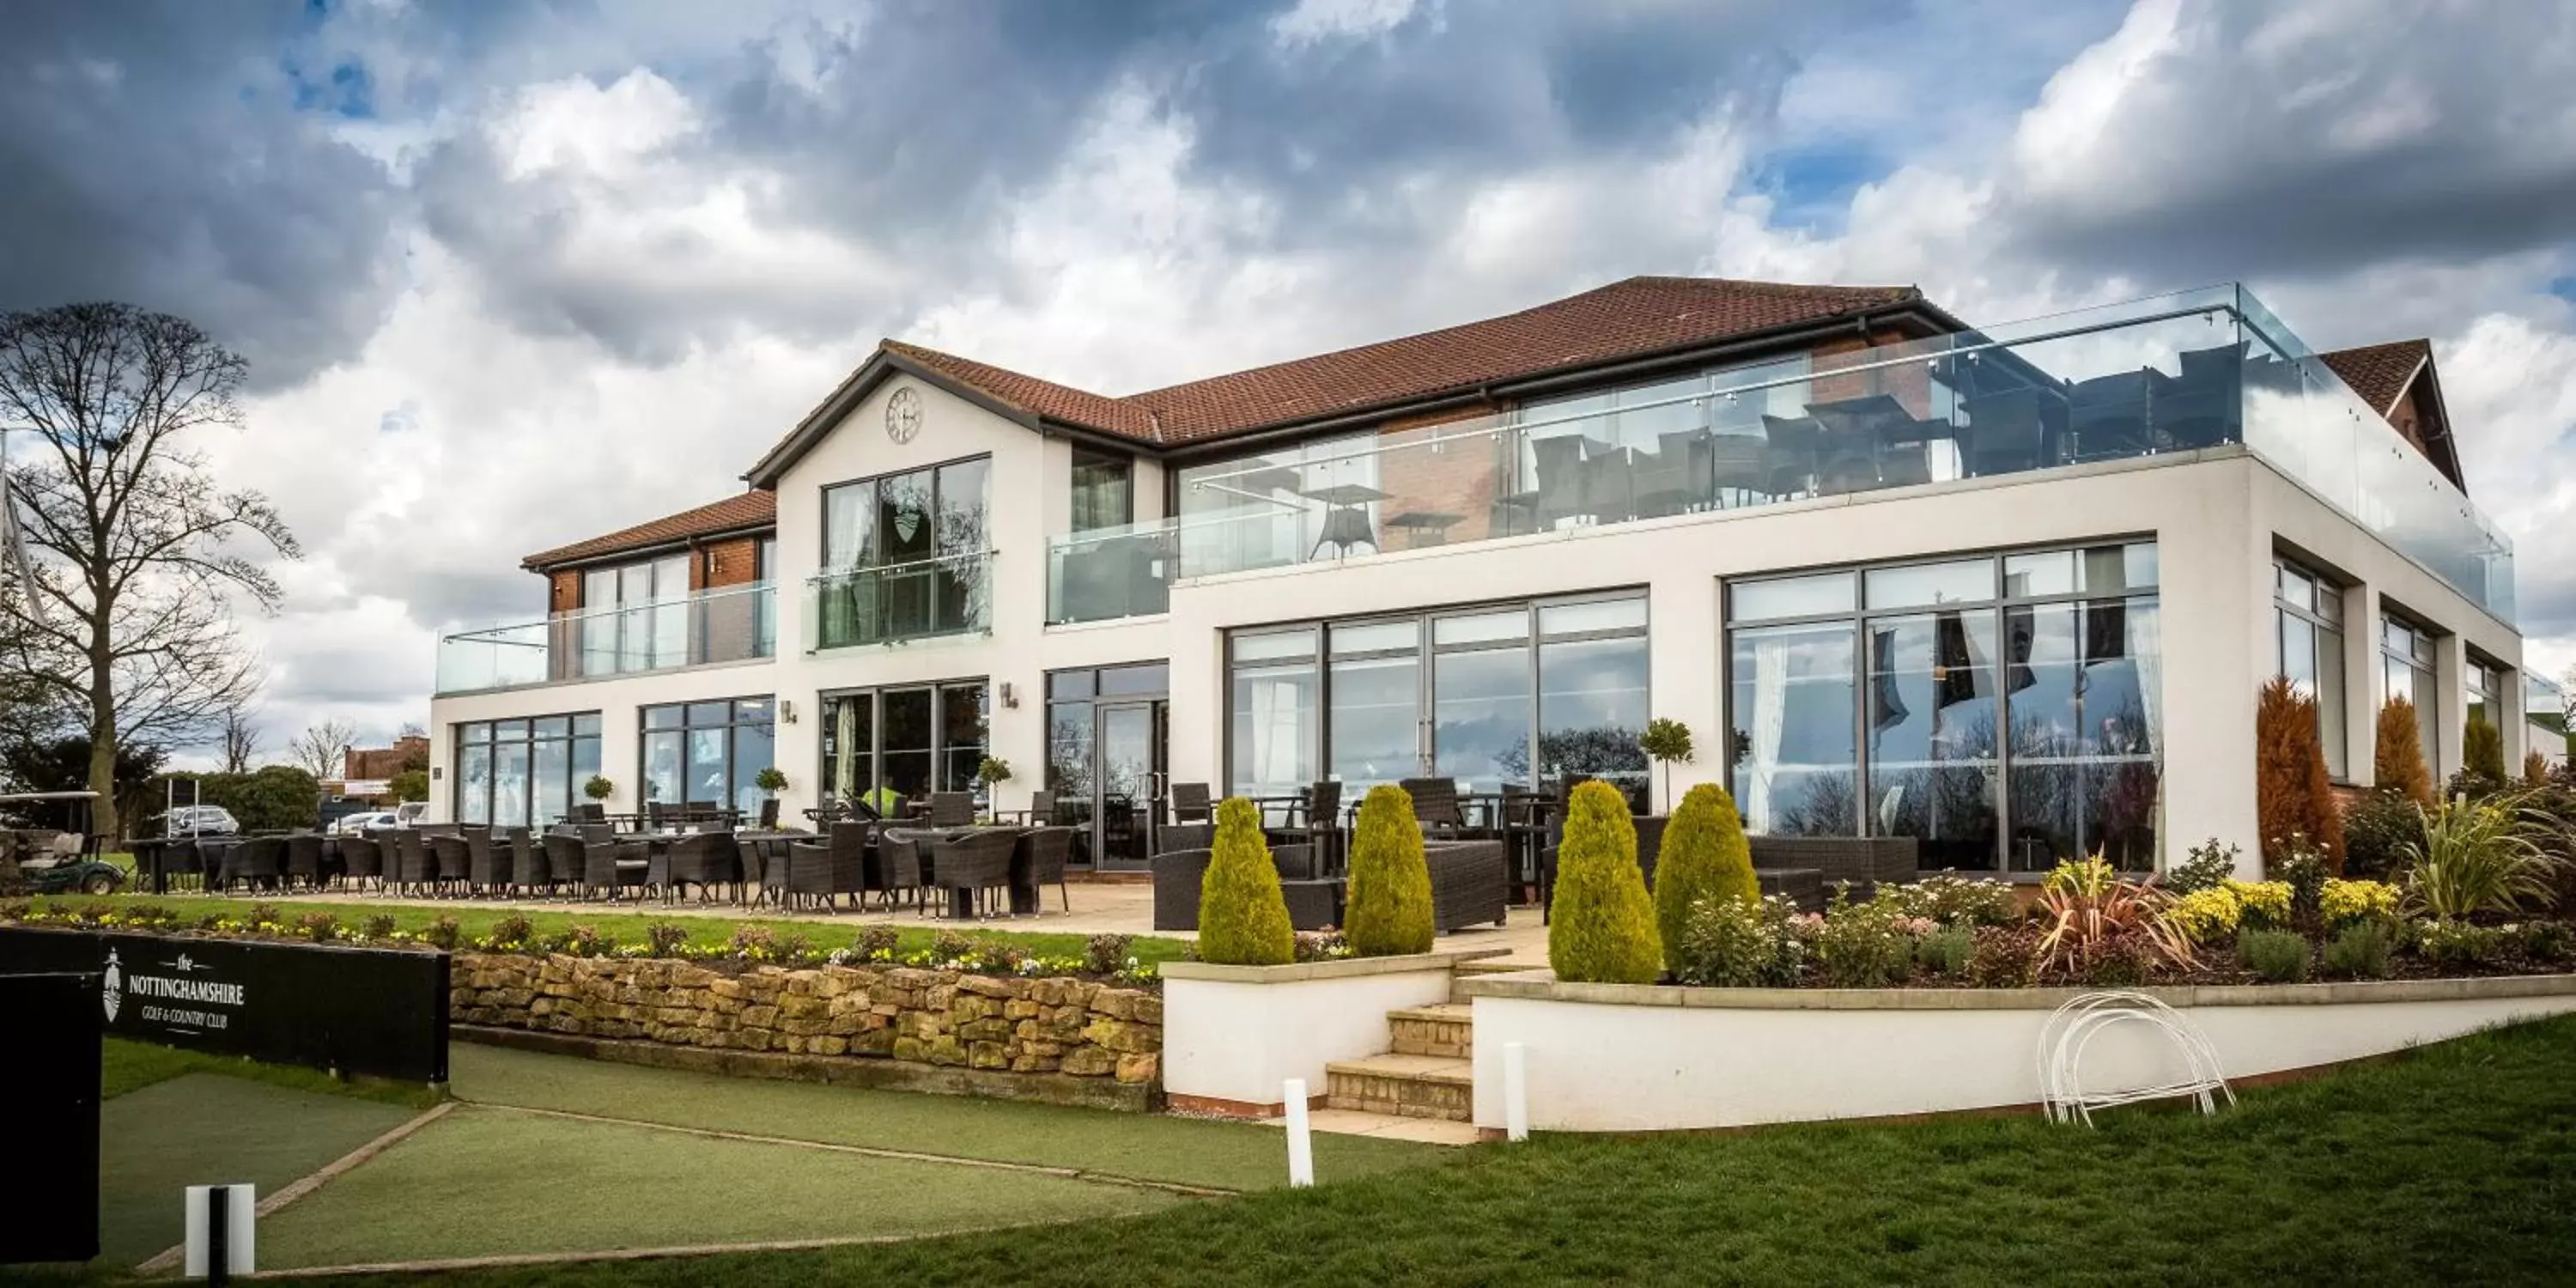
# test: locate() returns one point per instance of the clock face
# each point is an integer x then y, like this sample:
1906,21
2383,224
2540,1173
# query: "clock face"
903,415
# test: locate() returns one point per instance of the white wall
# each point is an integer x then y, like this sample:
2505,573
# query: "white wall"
1596,1067
1238,1042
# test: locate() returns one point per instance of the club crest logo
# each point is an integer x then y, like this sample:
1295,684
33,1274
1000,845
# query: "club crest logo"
115,986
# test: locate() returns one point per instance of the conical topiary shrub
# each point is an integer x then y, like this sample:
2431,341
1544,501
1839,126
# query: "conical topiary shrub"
1602,927
1705,856
1243,920
2482,749
2292,794
2397,756
1390,898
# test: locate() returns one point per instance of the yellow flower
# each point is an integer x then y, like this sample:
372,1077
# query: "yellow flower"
2341,902
2264,903
2206,916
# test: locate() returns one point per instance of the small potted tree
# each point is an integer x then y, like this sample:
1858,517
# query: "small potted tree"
599,789
1666,741
771,781
990,774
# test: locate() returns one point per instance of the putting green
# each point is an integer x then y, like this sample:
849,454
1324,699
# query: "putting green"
207,1128
485,1181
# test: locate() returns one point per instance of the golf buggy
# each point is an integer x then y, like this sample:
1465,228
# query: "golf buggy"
47,847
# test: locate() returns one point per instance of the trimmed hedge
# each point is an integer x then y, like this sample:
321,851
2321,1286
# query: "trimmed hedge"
1243,918
1390,897
1705,856
1602,928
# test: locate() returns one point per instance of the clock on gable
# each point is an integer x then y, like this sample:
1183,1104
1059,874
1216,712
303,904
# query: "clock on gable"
903,415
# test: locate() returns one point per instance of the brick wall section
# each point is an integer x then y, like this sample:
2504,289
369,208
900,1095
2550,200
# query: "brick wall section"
1068,1028
1463,478
734,562
382,762
1909,382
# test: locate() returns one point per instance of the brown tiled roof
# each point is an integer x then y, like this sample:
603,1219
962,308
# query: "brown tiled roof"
1629,319
752,509
2380,372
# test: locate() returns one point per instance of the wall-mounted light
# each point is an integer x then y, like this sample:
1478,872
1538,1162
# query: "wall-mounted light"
1010,695
786,711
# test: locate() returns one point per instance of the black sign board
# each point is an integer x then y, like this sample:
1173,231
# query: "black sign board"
372,1011
49,1084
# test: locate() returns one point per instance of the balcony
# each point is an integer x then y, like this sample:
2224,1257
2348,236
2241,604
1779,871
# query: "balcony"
729,624
2158,377
922,599
1109,573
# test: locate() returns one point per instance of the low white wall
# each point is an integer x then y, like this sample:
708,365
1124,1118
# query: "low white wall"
1235,1034
1648,1058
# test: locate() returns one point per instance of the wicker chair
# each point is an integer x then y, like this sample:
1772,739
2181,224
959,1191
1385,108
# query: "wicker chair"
609,867
1040,813
304,860
1190,803
898,870
1471,883
362,857
1435,806
564,851
1178,875
487,860
975,863
1184,836
702,859
1317,821
414,866
827,869
590,812
261,859
454,863
529,868
1047,848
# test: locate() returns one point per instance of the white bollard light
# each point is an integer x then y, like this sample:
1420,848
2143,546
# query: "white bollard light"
1515,1091
1301,1144
220,1231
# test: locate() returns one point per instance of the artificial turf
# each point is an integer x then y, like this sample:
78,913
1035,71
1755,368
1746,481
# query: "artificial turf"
199,1128
2452,1164
475,920
131,1066
489,1181
1151,1147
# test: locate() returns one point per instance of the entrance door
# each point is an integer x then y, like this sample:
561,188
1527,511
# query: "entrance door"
1128,778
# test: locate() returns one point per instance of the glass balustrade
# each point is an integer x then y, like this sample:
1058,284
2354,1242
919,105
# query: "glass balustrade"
2160,377
947,595
728,624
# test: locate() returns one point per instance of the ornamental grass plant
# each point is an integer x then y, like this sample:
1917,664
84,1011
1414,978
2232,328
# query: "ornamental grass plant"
1389,909
1243,917
1705,856
1601,929
2476,856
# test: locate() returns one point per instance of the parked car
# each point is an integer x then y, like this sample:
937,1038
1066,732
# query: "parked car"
200,820
354,824
410,813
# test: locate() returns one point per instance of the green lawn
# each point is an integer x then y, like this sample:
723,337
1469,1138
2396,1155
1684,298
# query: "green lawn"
199,1128
2455,1165
484,1181
131,1066
623,925
1181,1150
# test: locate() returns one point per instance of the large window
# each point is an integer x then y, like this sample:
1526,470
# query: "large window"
1489,696
2001,709
524,773
1104,489
885,745
2406,659
2482,693
2307,612
904,554
635,617
706,755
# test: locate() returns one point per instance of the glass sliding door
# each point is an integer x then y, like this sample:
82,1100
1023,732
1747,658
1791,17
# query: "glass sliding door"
1933,735
1483,698
1274,711
1375,730
1130,776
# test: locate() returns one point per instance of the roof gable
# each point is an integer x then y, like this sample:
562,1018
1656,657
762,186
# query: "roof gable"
2394,378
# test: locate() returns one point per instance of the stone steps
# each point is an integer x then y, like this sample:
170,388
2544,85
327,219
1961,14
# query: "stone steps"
1447,1030
1407,1086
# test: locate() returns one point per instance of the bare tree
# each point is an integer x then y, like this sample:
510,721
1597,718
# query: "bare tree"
240,740
323,749
139,554
412,729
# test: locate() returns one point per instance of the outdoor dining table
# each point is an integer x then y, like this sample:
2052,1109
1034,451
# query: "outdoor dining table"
961,901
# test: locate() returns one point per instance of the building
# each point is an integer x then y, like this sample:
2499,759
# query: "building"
376,764
2011,590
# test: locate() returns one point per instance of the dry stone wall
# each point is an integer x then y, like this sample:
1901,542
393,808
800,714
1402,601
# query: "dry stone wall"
938,1020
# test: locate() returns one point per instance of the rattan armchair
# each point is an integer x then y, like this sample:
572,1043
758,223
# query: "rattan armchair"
824,870
361,858
1047,849
414,866
453,862
952,809
259,860
304,860
702,859
974,863
529,869
487,860
1470,883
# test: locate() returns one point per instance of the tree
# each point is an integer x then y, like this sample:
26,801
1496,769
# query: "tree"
1666,741
240,740
1601,929
1243,916
2482,749
266,799
2292,792
322,750
2397,758
1390,891
138,553
1705,856
410,785
61,764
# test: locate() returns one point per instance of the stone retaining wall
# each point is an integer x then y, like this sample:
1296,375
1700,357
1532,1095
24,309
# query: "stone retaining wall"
1055,1032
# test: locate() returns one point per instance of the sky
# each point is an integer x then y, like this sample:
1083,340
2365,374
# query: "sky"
512,275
